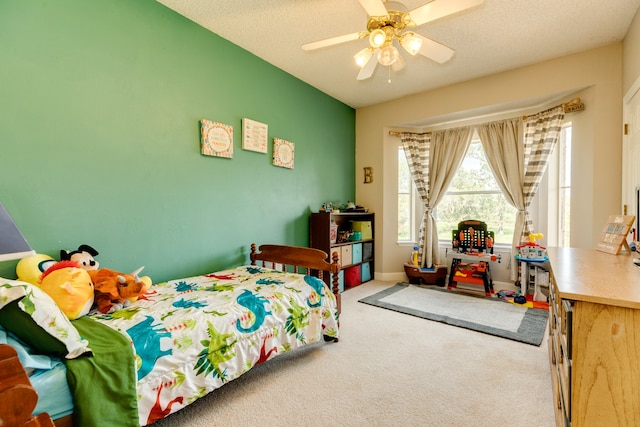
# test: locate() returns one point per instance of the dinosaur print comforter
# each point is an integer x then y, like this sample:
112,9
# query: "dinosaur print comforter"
191,336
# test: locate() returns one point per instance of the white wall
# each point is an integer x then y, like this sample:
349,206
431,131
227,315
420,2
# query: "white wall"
631,83
594,75
631,54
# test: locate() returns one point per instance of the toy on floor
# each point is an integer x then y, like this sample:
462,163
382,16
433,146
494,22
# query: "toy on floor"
427,276
532,251
509,296
473,250
529,256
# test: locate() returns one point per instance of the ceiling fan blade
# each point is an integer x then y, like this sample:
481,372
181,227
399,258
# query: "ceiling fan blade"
399,64
440,8
369,67
434,50
374,7
334,40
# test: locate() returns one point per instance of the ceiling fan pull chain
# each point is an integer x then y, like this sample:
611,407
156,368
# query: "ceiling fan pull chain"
389,81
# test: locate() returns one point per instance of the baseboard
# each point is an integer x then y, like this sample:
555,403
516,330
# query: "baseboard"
392,277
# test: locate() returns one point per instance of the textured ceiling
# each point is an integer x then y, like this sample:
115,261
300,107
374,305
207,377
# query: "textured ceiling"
498,35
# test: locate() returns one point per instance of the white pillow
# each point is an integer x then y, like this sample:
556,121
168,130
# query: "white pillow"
44,312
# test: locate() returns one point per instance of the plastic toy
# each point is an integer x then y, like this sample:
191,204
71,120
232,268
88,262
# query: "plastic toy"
427,276
532,251
473,250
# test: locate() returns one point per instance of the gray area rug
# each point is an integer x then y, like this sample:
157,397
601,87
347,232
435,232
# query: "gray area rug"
483,314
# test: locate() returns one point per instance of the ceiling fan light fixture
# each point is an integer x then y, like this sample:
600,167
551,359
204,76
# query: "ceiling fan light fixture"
377,38
388,55
390,21
411,43
363,56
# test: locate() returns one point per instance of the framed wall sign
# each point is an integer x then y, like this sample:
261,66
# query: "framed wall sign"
254,135
283,153
216,139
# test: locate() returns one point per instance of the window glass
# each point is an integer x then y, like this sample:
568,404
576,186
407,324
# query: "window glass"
474,194
564,187
405,199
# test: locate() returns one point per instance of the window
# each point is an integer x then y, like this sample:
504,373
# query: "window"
473,194
564,187
406,198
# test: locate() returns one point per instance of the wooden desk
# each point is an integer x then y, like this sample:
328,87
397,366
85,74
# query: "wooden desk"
594,337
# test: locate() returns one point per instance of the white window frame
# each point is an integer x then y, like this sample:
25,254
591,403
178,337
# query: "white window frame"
554,208
413,198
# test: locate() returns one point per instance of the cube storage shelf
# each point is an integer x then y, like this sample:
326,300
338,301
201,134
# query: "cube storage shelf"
356,257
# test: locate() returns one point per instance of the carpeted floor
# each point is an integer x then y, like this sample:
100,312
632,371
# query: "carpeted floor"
478,313
388,369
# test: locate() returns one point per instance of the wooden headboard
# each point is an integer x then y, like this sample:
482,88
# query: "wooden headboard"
313,261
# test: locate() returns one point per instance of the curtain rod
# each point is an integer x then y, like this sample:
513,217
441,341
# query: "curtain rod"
569,107
396,133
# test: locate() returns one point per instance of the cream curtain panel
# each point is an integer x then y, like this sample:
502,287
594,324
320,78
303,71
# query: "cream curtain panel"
433,160
503,144
518,159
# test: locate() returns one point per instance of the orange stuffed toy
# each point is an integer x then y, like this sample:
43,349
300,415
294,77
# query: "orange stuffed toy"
113,290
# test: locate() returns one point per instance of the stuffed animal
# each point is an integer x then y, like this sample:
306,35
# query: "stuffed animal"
30,269
114,290
84,256
70,287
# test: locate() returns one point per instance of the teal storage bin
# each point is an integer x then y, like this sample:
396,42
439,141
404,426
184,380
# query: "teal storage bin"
356,253
365,272
341,281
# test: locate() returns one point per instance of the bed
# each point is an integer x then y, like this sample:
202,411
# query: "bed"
182,339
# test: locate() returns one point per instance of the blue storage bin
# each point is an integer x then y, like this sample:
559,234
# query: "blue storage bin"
365,272
356,253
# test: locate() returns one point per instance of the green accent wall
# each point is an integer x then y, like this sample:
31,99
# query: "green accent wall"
100,103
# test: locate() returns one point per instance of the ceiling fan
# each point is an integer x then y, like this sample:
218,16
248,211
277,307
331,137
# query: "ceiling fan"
390,21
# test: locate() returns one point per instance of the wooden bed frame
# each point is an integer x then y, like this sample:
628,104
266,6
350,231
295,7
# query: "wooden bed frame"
313,261
15,387
18,398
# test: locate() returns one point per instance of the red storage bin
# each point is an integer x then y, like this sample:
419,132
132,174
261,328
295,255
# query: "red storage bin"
352,276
